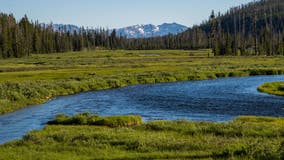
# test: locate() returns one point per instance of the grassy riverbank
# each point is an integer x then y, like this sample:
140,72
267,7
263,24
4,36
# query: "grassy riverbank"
276,88
35,79
242,138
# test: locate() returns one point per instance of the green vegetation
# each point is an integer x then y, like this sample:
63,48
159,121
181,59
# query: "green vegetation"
243,138
276,88
252,29
35,79
87,119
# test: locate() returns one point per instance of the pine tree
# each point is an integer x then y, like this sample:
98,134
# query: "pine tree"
213,41
4,38
37,42
113,40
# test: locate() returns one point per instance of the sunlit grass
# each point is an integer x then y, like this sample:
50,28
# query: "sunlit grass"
276,88
87,119
242,138
34,79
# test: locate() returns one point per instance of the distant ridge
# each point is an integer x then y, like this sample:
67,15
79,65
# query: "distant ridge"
150,30
135,31
62,27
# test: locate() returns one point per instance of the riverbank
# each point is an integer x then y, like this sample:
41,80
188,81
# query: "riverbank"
242,138
35,79
275,88
216,100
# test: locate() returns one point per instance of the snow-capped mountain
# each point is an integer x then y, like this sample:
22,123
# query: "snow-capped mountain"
62,27
150,30
136,31
66,28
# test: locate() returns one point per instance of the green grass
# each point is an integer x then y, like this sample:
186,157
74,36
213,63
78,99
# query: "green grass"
35,79
87,119
243,138
276,88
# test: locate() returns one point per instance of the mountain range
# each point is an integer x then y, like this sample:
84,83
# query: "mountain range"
135,31
150,30
66,28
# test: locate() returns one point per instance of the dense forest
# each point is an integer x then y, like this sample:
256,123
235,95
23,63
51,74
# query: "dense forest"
22,38
252,29
256,28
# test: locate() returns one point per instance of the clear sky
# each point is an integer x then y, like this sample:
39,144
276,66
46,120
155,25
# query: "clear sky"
117,13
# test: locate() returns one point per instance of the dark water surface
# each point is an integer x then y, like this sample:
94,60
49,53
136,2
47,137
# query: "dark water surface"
209,100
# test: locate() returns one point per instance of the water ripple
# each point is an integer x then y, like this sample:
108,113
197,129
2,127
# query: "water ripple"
210,100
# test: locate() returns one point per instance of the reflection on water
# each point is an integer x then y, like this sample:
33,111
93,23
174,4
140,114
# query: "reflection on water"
210,100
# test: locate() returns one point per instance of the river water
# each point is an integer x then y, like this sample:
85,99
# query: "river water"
216,100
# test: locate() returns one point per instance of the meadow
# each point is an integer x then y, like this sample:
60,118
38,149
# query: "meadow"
78,138
39,77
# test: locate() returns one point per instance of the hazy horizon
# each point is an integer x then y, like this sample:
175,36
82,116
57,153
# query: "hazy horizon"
117,14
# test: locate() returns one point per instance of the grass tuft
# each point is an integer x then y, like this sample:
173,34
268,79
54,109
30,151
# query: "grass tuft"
275,88
87,119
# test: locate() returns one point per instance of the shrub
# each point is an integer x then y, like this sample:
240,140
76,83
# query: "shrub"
60,119
281,88
281,150
221,75
15,96
256,72
238,74
79,119
114,83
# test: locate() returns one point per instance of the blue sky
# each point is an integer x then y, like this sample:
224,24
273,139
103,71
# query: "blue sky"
117,13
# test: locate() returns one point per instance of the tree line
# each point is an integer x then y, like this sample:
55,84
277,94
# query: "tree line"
253,29
256,28
22,38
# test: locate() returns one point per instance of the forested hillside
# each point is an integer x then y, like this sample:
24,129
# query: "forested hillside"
22,38
256,28
252,29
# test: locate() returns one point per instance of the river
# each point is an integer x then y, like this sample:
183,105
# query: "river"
216,100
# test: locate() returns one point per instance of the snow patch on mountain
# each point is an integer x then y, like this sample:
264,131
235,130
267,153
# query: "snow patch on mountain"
136,31
150,30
